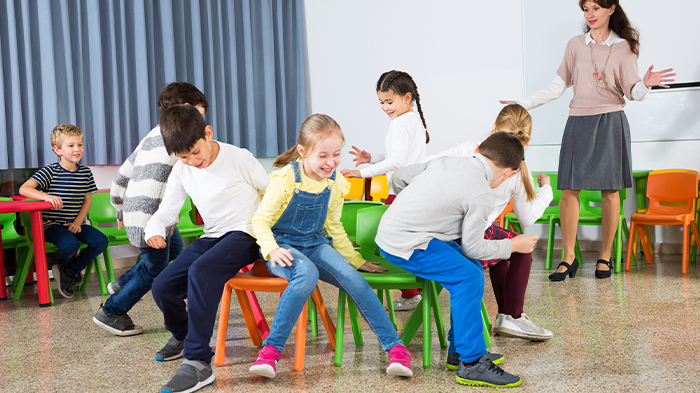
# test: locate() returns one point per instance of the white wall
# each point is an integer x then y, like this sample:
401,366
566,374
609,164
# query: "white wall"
466,56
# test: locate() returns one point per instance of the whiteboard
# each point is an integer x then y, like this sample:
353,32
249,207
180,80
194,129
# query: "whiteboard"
666,114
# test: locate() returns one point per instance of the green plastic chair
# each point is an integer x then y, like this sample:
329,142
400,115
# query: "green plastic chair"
186,225
589,214
102,212
395,278
349,216
551,217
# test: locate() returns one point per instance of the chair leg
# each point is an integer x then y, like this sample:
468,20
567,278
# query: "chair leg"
249,318
577,250
325,317
22,276
340,329
427,300
410,328
355,323
86,276
300,340
435,305
390,308
312,317
223,327
108,265
486,321
694,226
646,243
631,246
550,244
618,246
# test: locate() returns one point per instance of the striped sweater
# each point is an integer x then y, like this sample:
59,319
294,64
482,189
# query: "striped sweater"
139,185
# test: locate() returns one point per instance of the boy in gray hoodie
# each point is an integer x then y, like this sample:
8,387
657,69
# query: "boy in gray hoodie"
443,200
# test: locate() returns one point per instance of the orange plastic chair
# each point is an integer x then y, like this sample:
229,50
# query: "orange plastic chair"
501,220
259,279
672,201
357,189
379,188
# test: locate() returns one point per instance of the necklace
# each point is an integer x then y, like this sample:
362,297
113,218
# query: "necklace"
599,75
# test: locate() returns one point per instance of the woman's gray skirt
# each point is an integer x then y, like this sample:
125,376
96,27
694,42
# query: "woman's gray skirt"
595,153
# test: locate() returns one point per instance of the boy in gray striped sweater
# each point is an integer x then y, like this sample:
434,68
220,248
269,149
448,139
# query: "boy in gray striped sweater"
137,190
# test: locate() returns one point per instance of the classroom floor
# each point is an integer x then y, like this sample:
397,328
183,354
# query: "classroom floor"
636,332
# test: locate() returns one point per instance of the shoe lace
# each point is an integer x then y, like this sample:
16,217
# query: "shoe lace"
494,368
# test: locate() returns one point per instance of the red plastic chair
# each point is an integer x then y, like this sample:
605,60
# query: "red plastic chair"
672,201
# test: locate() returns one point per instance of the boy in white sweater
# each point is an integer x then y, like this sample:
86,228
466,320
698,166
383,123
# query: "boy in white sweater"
455,198
223,182
137,190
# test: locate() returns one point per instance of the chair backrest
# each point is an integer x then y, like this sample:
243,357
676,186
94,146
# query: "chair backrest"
367,224
188,216
7,222
672,192
379,188
357,188
349,216
589,199
101,209
553,177
501,219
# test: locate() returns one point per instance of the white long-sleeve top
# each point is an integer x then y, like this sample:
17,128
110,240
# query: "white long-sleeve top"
527,212
225,193
557,88
405,145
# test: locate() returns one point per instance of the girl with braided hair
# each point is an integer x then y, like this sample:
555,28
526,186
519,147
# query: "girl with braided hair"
405,145
407,136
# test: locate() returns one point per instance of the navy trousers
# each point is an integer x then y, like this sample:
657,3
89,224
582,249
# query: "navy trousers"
199,274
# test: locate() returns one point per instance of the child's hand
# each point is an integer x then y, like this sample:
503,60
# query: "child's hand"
156,242
281,256
120,224
507,102
72,227
372,267
524,244
56,201
350,173
543,179
361,156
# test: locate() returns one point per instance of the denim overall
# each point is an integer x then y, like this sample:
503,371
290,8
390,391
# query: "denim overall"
300,230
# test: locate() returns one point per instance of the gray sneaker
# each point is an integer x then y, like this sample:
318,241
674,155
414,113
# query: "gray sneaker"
485,373
402,304
172,350
191,376
452,363
113,287
64,282
121,325
521,328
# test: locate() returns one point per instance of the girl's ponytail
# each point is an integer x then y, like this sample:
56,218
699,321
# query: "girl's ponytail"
516,120
285,158
527,182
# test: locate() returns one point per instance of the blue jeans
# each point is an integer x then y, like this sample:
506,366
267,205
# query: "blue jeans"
323,262
69,243
138,280
199,275
464,280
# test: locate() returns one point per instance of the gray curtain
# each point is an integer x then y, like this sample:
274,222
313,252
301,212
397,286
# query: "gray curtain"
100,64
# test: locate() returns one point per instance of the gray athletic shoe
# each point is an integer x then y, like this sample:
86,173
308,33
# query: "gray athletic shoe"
113,287
485,373
191,376
452,363
172,350
121,325
64,282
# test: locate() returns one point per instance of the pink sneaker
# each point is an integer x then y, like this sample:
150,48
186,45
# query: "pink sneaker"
399,362
266,365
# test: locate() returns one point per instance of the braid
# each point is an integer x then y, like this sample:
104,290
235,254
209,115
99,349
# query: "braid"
401,83
420,111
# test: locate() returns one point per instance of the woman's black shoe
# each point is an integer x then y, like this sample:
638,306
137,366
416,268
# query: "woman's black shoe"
603,273
570,270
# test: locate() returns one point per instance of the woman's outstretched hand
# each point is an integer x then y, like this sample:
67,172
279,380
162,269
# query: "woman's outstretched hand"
504,102
652,78
361,156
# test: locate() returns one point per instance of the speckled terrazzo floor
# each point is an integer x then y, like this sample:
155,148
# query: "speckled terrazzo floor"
639,331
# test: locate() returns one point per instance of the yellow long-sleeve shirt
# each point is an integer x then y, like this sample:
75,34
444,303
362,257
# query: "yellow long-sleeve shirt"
277,198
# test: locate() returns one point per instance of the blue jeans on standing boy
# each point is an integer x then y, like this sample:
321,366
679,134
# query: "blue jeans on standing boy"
138,280
69,243
325,263
464,280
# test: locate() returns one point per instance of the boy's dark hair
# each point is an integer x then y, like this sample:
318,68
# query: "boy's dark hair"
181,126
178,93
504,149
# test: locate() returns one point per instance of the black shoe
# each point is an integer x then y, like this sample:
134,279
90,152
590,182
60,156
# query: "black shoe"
603,273
172,350
121,325
485,373
63,280
570,270
452,363
191,376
